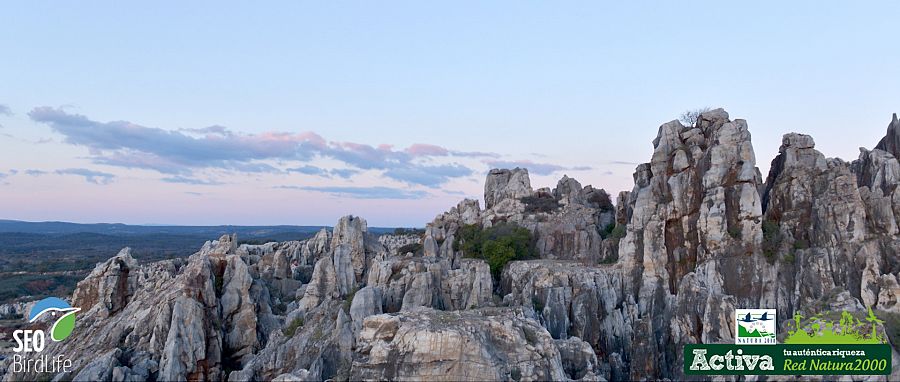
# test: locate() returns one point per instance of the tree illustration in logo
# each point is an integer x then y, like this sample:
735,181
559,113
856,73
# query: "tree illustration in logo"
819,329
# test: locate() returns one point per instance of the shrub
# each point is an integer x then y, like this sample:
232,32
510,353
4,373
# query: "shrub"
218,284
411,247
607,231
771,238
409,231
252,242
690,117
611,260
613,231
348,300
801,244
498,253
789,258
468,240
497,245
537,304
515,374
734,232
293,326
602,200
540,203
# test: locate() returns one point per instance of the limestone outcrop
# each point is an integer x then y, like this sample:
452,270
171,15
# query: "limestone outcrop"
613,292
487,344
505,184
110,285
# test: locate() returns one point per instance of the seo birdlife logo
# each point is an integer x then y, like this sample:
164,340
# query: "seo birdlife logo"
31,341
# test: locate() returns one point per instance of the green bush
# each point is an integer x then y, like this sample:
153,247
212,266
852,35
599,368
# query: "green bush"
610,260
348,300
293,326
771,238
601,199
734,232
497,254
218,284
789,258
618,231
537,304
497,245
607,231
415,248
801,244
409,231
540,203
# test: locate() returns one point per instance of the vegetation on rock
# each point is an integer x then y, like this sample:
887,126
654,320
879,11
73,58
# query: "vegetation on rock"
293,326
771,238
540,203
498,245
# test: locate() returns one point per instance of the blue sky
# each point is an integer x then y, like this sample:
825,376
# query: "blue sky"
300,112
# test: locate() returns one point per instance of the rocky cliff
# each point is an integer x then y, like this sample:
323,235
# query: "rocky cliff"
612,292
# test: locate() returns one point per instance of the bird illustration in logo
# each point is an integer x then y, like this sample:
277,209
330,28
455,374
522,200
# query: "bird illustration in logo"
65,313
748,319
765,317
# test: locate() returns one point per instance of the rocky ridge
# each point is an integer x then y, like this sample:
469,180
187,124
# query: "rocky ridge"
615,292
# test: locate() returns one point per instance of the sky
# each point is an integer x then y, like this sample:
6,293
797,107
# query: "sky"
212,113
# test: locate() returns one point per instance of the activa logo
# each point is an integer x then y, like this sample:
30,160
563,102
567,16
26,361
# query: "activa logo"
30,341
754,327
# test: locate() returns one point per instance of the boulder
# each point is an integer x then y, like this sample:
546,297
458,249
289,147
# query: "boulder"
474,345
366,302
502,184
111,284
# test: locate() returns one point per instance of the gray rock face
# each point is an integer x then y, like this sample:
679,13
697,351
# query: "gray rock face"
568,222
345,268
468,286
110,285
877,175
425,344
681,217
181,319
14,310
572,300
350,238
408,282
393,243
238,311
441,233
617,291
891,141
578,358
322,287
366,302
101,369
505,184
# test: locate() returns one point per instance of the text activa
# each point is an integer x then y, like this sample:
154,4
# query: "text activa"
730,361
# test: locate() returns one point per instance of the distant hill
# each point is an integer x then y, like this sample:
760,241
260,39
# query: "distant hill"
48,258
250,232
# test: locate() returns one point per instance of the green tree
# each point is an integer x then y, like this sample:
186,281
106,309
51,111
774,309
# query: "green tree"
497,245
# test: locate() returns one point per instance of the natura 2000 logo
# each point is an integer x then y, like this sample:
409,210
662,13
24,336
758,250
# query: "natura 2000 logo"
30,342
754,327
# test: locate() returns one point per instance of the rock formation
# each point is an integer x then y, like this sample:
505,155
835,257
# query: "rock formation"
614,292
